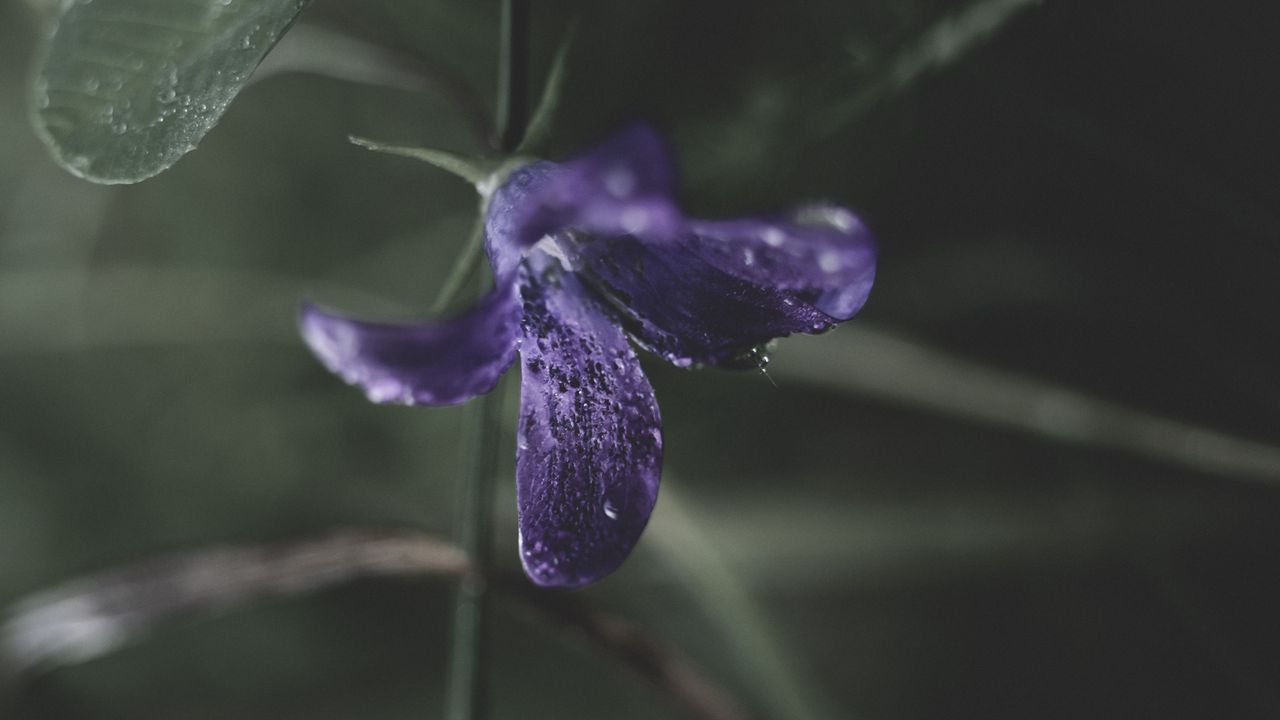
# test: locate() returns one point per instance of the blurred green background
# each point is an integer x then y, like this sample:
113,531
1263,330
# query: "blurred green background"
1078,195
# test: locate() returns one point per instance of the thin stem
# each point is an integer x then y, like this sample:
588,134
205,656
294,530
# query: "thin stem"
466,692
463,267
513,74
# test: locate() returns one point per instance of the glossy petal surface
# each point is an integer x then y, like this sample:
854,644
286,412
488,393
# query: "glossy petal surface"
589,443
428,363
725,287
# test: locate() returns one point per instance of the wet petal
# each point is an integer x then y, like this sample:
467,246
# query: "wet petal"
716,295
589,443
428,363
821,251
623,186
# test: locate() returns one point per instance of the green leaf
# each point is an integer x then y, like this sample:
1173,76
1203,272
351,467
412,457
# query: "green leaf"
124,88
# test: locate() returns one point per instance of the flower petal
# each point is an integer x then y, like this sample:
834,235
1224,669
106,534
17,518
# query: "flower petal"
428,363
623,186
821,251
723,288
589,441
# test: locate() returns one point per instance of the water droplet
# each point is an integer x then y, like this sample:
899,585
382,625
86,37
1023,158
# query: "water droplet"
167,96
610,510
750,359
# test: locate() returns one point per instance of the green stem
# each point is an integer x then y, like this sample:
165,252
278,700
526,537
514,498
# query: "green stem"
466,692
463,268
513,75
467,696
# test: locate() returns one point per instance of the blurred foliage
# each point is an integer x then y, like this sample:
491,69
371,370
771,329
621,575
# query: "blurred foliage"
1085,195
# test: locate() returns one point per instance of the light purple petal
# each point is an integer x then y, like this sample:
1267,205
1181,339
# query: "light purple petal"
589,440
623,186
427,363
722,289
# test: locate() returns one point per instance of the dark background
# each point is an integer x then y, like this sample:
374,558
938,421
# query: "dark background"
1087,197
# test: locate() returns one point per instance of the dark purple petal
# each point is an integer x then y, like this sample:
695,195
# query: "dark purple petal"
590,440
623,186
724,288
428,363
823,252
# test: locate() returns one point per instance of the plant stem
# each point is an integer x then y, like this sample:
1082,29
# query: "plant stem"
464,267
513,75
467,696
466,692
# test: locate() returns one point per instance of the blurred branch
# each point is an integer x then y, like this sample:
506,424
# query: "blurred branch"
868,362
94,615
761,123
98,614
941,44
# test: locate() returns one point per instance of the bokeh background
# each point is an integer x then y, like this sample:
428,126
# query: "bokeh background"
1078,204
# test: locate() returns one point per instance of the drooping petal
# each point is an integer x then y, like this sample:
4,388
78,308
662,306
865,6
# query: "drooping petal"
623,186
820,251
589,440
721,289
427,363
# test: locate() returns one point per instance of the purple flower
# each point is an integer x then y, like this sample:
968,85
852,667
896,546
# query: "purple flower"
586,254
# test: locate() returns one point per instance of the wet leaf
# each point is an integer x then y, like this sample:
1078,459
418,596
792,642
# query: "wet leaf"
124,88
